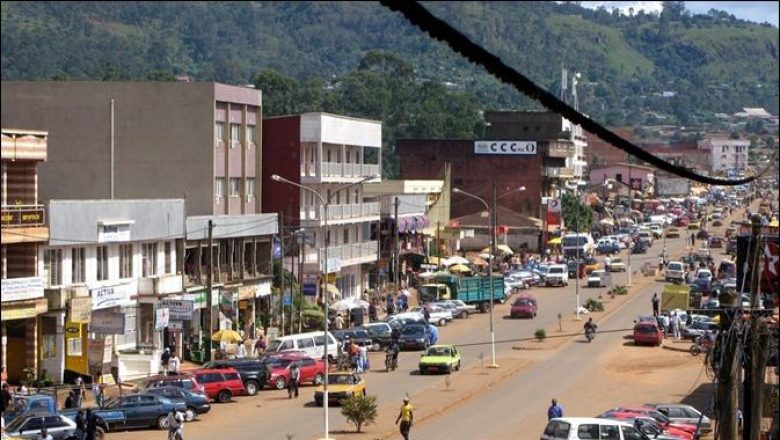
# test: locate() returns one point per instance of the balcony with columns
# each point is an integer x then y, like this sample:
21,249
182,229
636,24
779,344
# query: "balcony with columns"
340,214
349,254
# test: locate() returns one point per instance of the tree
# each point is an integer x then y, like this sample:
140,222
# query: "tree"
359,410
576,215
278,92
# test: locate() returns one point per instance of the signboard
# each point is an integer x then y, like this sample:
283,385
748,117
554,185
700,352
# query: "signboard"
672,186
287,300
553,211
72,330
263,289
105,297
635,183
513,148
770,263
24,309
80,309
175,326
334,265
32,216
310,289
21,289
99,350
107,322
113,233
179,309
161,318
247,292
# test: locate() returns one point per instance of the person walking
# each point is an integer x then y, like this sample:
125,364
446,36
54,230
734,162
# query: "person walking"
363,358
173,365
675,321
339,321
92,422
81,425
260,346
241,350
555,410
164,359
295,378
175,425
656,304
5,398
406,417
97,391
693,240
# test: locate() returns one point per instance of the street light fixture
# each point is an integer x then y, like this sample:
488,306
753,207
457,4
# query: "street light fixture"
325,204
492,245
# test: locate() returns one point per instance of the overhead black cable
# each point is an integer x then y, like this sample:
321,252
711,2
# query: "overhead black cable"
442,31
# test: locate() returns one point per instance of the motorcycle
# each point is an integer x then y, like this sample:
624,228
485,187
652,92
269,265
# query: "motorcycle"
590,333
391,362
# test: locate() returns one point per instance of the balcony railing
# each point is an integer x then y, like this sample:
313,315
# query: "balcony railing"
160,284
341,212
558,172
336,169
348,253
560,149
23,216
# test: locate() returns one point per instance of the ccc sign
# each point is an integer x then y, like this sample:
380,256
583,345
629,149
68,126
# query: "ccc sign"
505,147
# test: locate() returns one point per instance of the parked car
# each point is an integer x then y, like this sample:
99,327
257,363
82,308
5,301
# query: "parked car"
697,329
555,275
675,271
438,316
462,307
672,233
340,386
631,417
145,410
196,403
658,416
414,336
312,370
524,306
716,242
568,428
358,336
313,343
30,425
35,403
253,372
380,332
607,247
181,380
648,426
682,413
441,358
528,277
221,383
617,265
598,278
648,332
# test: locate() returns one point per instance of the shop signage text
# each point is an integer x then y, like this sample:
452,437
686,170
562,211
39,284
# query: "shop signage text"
21,289
179,309
105,297
107,322
505,147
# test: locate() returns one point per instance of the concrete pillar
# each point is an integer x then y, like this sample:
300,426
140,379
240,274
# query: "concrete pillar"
31,343
3,351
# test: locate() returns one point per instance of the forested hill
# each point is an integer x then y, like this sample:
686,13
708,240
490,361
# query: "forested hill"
706,63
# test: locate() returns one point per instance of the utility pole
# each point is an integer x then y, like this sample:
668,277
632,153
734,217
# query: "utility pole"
209,287
396,244
753,385
281,273
301,253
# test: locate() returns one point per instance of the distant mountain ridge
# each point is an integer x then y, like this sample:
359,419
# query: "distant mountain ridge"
707,64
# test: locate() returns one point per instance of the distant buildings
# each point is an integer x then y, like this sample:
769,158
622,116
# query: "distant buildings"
726,154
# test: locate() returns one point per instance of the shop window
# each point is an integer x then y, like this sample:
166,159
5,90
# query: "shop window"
219,188
168,257
102,263
125,261
78,265
250,187
52,267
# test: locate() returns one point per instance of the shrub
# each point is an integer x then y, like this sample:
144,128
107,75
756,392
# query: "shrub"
618,290
359,410
540,334
594,305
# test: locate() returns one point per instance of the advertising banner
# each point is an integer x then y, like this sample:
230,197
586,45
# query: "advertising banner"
553,212
161,319
21,289
107,322
112,296
179,309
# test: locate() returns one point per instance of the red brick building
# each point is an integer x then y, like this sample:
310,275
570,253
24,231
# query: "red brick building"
600,153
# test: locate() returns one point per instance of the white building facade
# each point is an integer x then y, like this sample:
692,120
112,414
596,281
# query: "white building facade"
726,154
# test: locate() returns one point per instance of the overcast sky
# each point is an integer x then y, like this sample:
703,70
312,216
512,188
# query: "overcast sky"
758,12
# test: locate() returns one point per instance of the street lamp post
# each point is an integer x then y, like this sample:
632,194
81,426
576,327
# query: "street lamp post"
325,204
492,246
608,184
576,191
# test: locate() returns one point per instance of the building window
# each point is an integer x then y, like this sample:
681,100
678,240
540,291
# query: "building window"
219,132
250,136
219,188
148,259
102,263
78,265
168,257
250,187
346,236
235,186
125,261
52,266
235,135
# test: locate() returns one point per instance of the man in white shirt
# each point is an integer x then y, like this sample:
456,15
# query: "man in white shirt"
675,321
173,365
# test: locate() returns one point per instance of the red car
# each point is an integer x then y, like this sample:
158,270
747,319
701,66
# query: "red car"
716,242
681,221
221,383
667,428
524,306
182,380
659,417
647,332
312,370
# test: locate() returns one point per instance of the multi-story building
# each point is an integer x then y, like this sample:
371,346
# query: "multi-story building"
601,153
332,155
138,140
24,230
726,154
106,268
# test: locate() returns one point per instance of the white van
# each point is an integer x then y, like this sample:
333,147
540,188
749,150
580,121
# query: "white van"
312,343
582,428
572,242
556,275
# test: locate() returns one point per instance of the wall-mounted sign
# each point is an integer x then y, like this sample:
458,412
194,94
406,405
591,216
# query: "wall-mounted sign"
175,326
21,289
72,330
105,297
80,309
161,318
107,322
505,147
28,216
113,231
179,309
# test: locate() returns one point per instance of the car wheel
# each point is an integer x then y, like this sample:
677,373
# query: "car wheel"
100,434
319,379
252,387
224,396
162,422
189,414
280,383
442,322
422,371
457,367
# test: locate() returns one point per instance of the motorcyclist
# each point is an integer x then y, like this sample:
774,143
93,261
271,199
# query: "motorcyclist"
393,349
590,326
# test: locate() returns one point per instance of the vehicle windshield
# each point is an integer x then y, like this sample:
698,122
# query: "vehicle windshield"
340,379
523,302
412,330
555,270
704,275
274,345
439,351
574,241
675,266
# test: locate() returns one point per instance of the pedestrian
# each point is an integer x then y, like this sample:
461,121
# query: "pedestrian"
81,425
426,315
97,391
433,334
5,398
173,365
241,350
81,391
693,240
607,263
295,378
363,358
173,425
675,321
406,417
339,321
372,312
656,303
93,421
390,305
555,410
69,401
164,359
260,345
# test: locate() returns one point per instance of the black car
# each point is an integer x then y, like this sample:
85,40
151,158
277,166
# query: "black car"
640,247
358,336
254,373
196,403
380,332
414,336
144,410
731,247
572,267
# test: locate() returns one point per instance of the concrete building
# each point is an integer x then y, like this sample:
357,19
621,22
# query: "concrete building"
726,154
330,154
106,267
24,229
600,153
194,140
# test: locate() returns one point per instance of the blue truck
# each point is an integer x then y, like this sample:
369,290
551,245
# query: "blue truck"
471,290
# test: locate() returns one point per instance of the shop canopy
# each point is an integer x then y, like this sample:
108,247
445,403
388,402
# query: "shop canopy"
556,240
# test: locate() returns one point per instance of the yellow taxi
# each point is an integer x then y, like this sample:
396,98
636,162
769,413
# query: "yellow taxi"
694,224
672,233
341,385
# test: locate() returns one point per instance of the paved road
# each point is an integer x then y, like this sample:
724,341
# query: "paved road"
271,414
